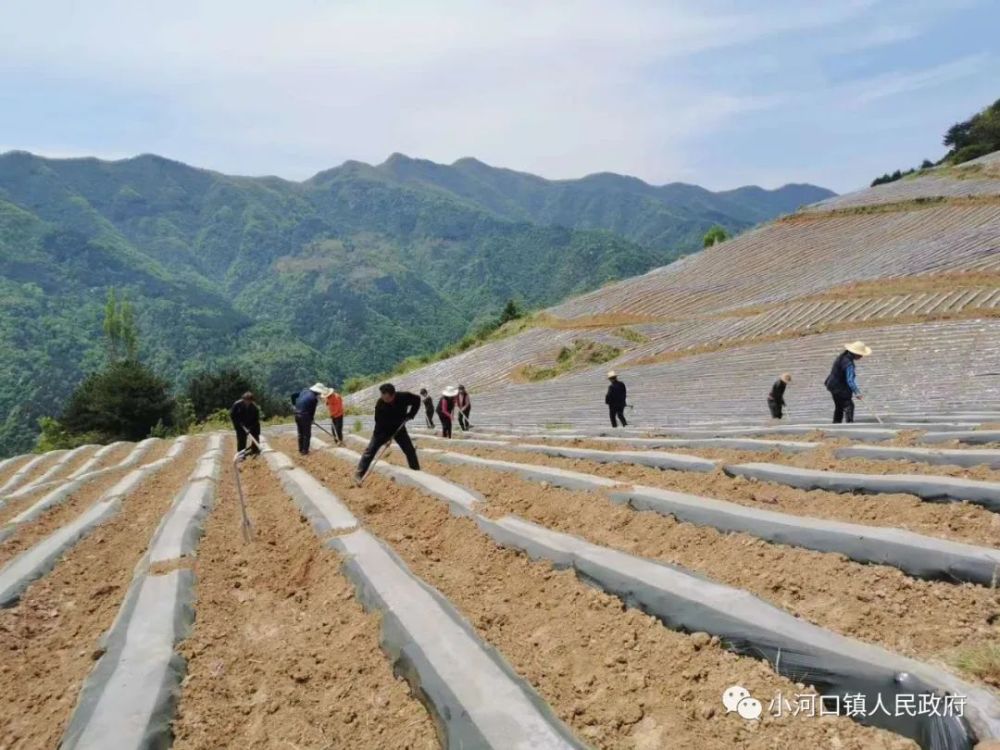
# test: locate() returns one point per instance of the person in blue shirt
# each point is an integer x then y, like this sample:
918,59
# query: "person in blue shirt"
305,412
842,381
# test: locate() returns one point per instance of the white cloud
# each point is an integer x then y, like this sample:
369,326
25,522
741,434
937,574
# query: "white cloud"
904,82
561,87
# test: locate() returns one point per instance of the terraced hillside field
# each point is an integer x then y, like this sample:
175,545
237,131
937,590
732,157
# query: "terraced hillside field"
912,268
532,590
704,578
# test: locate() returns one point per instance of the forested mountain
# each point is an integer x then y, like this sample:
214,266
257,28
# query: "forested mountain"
670,218
342,274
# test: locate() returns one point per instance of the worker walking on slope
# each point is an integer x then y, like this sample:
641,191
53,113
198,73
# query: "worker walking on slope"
392,411
446,409
842,381
464,405
428,408
305,412
616,399
246,421
776,398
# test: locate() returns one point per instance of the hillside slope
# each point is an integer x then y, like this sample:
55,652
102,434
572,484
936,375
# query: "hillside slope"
913,267
343,274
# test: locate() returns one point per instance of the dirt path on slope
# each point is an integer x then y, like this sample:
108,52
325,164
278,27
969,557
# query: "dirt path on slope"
34,531
875,603
962,522
48,641
281,654
616,676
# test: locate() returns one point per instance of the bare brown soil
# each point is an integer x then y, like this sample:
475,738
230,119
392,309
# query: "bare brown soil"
70,466
959,521
40,468
48,641
281,654
875,603
32,532
823,458
616,676
12,507
13,468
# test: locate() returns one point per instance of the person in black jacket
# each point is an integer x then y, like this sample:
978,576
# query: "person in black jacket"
428,408
392,411
246,420
305,413
842,381
776,398
616,399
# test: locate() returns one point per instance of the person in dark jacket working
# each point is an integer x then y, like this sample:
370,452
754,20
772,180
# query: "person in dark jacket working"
305,412
392,411
246,420
464,405
776,398
615,399
428,408
842,381
446,409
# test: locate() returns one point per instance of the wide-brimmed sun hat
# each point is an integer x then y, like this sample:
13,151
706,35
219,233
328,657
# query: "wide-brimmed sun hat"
320,389
612,374
449,391
859,348
786,377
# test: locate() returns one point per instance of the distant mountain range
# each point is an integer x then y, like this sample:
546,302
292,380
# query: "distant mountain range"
345,273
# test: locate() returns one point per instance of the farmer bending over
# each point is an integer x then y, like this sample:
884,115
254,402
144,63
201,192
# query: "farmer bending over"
776,398
246,420
392,411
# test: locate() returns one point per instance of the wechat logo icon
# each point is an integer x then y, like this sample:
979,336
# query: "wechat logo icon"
737,698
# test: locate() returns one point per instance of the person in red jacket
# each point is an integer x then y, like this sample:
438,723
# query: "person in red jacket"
335,405
446,409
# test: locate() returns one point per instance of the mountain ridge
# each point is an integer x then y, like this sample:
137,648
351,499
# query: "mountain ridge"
342,274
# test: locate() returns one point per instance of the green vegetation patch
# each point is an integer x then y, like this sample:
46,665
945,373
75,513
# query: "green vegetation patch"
581,354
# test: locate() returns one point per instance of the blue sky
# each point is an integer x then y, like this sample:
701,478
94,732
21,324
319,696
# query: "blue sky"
713,92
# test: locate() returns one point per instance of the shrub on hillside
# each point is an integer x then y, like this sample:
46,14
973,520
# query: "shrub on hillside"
714,236
125,401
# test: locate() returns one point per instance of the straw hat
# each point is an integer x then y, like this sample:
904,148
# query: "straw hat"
859,348
320,389
612,374
450,391
786,377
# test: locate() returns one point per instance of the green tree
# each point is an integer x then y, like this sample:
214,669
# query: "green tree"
975,137
714,236
209,392
121,339
125,401
511,311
